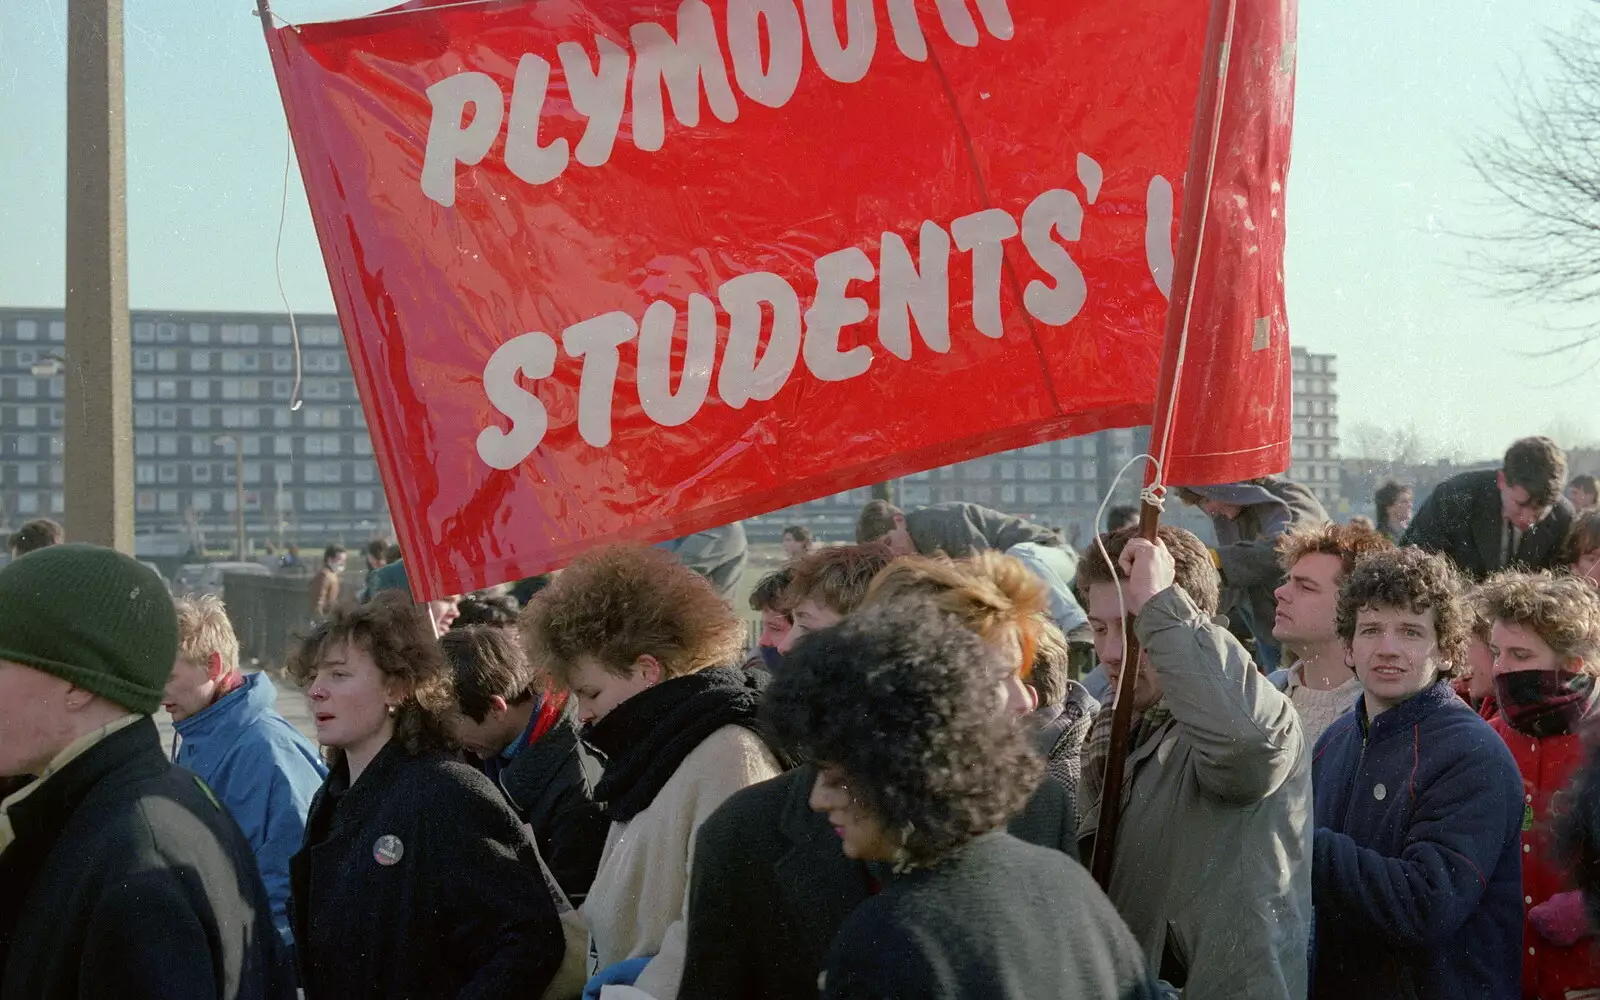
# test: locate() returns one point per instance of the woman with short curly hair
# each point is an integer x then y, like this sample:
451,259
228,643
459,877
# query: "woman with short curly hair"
415,878
652,656
918,768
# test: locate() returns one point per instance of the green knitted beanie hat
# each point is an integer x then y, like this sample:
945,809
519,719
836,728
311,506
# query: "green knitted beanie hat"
91,616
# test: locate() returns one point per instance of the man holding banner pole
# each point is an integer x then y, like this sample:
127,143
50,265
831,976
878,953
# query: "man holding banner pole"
1212,865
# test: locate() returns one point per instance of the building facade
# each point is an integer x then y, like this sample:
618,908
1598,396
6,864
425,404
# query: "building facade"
213,430
1315,441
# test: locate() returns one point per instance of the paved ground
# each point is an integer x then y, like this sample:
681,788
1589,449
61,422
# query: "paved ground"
291,703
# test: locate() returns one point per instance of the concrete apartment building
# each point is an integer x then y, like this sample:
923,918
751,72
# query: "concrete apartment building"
211,401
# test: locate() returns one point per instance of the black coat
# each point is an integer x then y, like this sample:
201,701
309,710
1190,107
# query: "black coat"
546,788
1463,519
998,920
771,886
460,909
127,879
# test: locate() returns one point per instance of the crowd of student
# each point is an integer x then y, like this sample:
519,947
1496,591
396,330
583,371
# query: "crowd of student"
595,789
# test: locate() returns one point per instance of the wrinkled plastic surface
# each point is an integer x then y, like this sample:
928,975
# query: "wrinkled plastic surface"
1232,415
1093,100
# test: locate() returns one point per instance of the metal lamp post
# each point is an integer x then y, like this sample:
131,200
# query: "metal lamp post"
238,488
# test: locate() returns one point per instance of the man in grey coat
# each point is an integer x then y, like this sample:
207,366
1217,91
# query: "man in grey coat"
1249,518
1213,860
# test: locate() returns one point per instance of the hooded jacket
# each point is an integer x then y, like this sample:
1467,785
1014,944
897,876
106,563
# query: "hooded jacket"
264,771
1247,545
1417,870
960,529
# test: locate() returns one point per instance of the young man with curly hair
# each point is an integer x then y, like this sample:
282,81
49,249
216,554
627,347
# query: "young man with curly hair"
1212,867
1417,872
1545,638
1316,561
769,888
917,768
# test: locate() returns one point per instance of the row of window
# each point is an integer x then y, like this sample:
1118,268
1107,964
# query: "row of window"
274,501
1315,408
983,470
145,360
1318,363
238,388
914,494
244,334
147,332
25,505
282,473
1314,386
1319,429
322,417
1314,473
1313,449
206,446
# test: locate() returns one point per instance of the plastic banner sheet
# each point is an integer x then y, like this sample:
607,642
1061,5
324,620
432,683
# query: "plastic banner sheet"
626,269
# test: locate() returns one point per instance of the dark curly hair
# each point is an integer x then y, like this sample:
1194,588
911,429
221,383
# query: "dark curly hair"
398,635
623,602
768,594
1415,581
902,699
484,609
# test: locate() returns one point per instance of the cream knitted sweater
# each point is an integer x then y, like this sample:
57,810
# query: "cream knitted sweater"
638,904
1319,709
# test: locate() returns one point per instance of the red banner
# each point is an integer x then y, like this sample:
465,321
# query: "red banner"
1223,410
626,269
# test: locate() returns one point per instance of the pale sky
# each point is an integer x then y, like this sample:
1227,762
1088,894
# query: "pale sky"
1389,95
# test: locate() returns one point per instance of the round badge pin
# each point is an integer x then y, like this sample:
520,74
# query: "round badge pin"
388,850
1379,792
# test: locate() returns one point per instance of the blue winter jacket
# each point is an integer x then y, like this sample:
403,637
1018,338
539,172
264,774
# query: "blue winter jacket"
263,770
1417,864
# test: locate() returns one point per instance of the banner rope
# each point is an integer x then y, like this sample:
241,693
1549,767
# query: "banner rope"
1155,495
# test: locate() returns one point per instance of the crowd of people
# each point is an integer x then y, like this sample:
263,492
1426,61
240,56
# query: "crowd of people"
1359,765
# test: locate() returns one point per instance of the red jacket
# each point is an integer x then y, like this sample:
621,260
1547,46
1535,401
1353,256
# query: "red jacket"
1546,765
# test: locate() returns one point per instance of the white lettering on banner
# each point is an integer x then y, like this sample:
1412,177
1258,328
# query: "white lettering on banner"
656,398
596,341
533,355
527,159
741,377
841,60
774,83
1054,211
598,93
682,65
452,141
904,290
907,290
685,66
984,234
831,311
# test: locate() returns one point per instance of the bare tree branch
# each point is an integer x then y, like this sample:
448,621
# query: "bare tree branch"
1546,175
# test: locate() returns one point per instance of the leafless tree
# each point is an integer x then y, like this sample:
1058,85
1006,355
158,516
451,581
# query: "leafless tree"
1546,172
